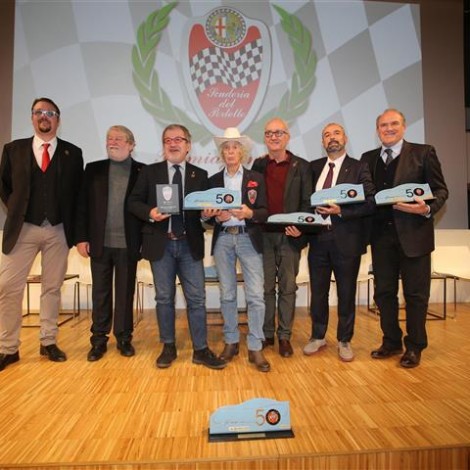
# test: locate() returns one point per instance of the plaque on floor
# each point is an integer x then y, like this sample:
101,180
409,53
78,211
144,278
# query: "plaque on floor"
259,418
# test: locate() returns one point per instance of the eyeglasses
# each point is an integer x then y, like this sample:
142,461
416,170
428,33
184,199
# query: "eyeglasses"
43,112
279,134
176,140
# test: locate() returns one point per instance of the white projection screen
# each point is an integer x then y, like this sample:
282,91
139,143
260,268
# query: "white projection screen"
211,65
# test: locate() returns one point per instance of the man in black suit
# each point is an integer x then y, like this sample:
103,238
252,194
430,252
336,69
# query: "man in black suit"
288,189
175,246
338,245
237,236
39,182
403,236
111,236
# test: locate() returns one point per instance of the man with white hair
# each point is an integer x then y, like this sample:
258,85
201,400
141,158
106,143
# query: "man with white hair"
237,235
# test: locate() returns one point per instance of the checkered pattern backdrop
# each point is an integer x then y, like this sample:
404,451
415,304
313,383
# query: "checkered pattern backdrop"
212,65
79,53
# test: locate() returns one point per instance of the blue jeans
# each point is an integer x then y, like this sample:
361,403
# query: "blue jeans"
227,249
178,261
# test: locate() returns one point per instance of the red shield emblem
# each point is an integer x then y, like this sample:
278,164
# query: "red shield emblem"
226,68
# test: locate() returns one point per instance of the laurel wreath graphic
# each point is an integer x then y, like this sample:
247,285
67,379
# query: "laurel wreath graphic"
293,103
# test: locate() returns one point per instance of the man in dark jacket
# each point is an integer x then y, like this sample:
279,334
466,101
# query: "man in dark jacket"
111,236
288,189
403,236
338,245
40,179
174,245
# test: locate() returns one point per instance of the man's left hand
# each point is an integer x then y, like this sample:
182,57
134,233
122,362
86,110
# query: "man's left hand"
330,209
418,207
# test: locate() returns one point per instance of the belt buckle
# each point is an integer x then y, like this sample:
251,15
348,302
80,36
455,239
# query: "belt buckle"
232,230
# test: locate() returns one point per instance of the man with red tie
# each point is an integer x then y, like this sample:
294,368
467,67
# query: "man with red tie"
338,246
39,182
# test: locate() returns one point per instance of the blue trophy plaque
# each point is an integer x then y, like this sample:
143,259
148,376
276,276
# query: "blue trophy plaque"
296,218
343,193
259,418
404,193
215,198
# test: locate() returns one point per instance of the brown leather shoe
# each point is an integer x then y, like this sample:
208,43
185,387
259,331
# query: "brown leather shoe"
229,351
268,342
257,358
285,348
383,352
410,359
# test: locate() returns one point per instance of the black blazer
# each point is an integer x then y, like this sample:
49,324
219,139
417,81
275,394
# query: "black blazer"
93,207
143,199
15,186
350,229
297,191
254,196
418,163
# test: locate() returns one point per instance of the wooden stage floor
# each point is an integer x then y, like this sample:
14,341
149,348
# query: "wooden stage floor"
123,413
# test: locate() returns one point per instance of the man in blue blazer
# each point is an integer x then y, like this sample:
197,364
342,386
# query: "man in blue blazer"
40,179
402,236
338,245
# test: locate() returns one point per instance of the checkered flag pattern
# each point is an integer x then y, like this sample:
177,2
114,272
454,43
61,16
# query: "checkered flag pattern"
213,65
357,75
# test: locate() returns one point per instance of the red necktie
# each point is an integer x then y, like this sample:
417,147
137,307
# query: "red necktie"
329,177
46,159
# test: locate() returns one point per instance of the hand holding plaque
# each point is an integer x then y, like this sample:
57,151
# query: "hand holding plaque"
343,193
296,218
215,198
404,193
167,198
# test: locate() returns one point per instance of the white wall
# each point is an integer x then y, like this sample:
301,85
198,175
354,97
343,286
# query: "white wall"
458,239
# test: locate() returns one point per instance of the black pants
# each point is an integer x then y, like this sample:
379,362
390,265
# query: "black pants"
323,259
389,264
114,263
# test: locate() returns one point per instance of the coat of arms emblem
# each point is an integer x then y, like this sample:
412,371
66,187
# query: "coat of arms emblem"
226,68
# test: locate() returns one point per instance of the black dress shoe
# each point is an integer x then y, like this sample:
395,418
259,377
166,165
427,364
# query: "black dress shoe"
268,342
230,350
7,359
167,356
53,353
206,357
126,348
383,352
257,358
285,348
410,359
96,353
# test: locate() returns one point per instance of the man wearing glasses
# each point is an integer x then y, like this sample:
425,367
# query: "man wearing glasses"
288,189
174,245
39,182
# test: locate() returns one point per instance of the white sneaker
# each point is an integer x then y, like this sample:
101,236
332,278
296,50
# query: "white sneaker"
345,351
313,346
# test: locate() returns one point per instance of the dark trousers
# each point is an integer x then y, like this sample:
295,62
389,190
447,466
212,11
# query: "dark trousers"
114,263
389,264
324,259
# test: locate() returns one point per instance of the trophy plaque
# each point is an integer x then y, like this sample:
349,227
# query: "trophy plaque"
259,418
